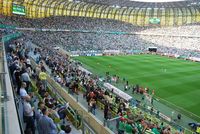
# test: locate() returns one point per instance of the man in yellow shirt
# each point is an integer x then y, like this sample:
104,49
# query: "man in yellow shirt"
198,130
43,78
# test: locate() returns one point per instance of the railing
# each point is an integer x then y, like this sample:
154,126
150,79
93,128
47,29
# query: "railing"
9,118
1,87
93,31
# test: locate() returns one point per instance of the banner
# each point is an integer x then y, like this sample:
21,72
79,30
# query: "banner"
11,36
84,70
7,26
165,117
117,91
194,59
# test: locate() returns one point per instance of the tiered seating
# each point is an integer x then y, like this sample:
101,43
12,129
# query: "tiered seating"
146,122
20,61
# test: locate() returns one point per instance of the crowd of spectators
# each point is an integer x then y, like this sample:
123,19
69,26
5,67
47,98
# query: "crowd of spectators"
174,40
67,73
78,41
35,111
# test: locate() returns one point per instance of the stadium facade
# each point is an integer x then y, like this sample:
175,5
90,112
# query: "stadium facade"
135,12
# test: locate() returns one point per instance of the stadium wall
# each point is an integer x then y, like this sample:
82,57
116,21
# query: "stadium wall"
136,16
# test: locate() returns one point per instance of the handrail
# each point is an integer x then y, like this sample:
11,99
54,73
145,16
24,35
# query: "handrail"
11,121
94,31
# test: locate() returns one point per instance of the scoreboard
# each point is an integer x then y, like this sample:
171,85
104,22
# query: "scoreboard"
18,9
154,20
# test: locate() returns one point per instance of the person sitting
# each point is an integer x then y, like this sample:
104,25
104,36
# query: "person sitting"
65,129
49,102
167,130
194,125
62,111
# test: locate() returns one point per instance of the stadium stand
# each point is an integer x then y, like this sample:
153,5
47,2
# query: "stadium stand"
36,38
58,64
78,82
145,37
27,95
95,30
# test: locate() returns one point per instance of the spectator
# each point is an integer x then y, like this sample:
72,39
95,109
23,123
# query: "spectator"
65,129
82,44
106,108
28,117
23,92
38,112
26,78
121,128
43,77
92,106
128,128
16,79
46,124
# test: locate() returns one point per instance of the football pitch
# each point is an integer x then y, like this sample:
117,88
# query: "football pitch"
174,80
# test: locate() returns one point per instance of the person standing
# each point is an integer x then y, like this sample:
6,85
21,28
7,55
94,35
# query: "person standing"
93,106
26,78
46,124
121,127
152,96
43,77
23,93
16,79
106,108
28,117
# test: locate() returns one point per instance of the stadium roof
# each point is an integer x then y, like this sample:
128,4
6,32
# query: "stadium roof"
157,0
145,3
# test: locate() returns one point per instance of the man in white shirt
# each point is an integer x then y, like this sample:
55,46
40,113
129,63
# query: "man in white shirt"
23,92
28,116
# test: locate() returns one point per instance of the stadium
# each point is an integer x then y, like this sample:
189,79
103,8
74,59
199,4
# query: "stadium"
100,66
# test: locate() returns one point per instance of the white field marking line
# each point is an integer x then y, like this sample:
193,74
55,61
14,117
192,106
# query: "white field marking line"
179,107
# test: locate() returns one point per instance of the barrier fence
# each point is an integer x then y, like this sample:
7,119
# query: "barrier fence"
10,123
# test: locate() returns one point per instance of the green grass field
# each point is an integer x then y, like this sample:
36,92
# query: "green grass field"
174,80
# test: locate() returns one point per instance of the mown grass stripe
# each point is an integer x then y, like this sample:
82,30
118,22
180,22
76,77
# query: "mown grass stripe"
173,79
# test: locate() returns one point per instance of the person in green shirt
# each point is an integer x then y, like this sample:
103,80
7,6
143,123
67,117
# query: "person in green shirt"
155,130
128,128
125,116
121,126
